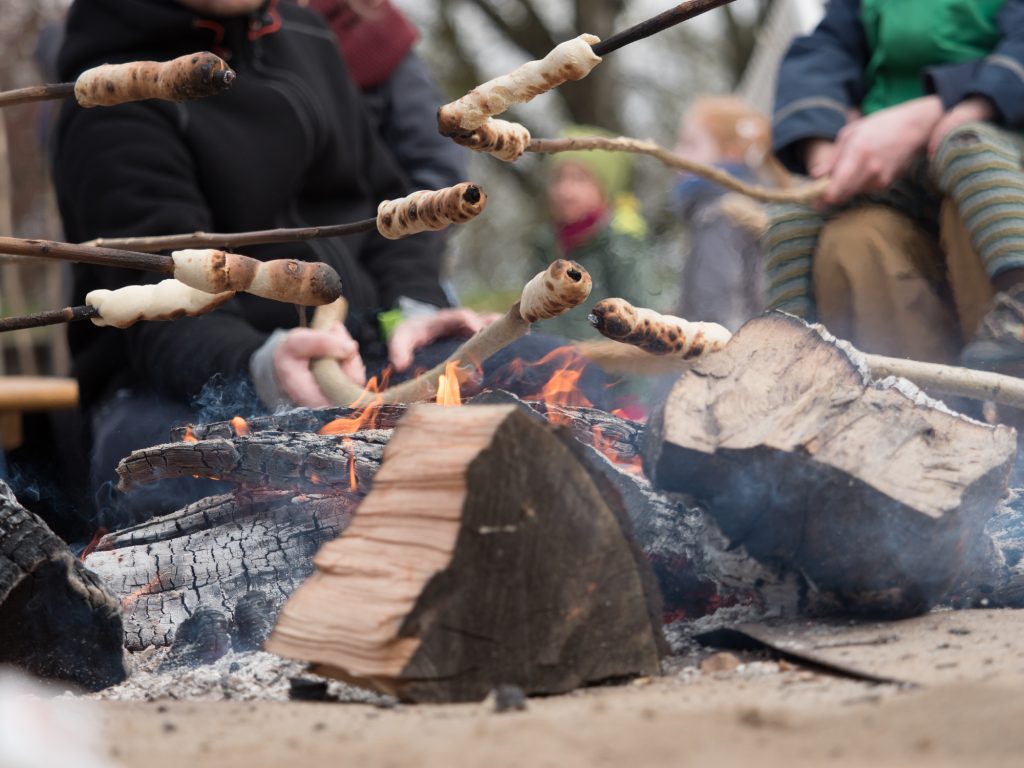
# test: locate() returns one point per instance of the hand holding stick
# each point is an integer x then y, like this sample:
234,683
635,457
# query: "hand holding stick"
559,288
193,76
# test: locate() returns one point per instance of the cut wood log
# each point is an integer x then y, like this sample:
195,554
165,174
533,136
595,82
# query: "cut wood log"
484,555
57,619
875,492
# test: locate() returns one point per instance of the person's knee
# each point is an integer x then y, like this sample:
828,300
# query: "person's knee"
968,143
848,242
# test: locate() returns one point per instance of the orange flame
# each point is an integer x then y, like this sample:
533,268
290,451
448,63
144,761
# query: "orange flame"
353,483
365,418
241,427
448,391
562,388
93,543
190,435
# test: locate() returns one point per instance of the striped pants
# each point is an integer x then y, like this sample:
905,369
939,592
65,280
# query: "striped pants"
978,169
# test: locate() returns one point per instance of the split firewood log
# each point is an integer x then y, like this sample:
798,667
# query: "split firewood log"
559,288
484,554
57,619
872,490
193,76
572,60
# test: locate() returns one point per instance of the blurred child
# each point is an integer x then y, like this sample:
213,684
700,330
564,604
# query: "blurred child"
595,221
722,276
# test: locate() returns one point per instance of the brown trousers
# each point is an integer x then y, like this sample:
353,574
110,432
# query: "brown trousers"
893,289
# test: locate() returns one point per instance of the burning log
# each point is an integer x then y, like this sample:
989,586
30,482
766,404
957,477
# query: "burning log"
484,560
431,210
559,288
870,489
57,619
295,491
193,76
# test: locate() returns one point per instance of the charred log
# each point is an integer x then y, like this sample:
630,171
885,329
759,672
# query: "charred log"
875,493
57,619
484,555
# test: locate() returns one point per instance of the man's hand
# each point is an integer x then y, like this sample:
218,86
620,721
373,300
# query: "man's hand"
976,109
302,345
871,152
418,332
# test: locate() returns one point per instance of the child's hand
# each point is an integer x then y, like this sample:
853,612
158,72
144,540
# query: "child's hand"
873,151
418,332
976,109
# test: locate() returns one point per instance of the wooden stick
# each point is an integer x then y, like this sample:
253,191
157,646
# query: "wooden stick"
803,193
427,210
53,317
85,254
562,286
36,93
679,14
232,240
192,76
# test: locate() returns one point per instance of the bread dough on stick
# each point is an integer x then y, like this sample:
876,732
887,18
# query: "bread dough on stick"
307,283
430,210
506,141
192,76
656,333
571,60
166,300
559,288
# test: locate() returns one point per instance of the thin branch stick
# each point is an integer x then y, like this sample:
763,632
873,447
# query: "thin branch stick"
36,93
799,194
103,257
232,240
53,317
679,14
562,286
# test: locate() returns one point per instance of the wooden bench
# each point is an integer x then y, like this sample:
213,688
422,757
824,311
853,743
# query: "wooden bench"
31,394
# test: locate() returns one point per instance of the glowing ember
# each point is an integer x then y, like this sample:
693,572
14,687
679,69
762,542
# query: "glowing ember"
314,478
146,589
368,402
241,426
448,391
606,447
190,436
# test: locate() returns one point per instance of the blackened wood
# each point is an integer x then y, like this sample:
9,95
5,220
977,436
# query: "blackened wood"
875,493
57,619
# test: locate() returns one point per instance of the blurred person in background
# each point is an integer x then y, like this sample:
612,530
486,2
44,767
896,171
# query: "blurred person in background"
914,110
723,278
596,222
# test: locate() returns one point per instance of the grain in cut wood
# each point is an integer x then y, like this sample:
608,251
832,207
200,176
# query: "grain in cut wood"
559,288
166,300
572,60
192,76
657,333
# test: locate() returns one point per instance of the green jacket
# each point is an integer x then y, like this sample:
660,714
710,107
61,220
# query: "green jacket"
617,257
906,36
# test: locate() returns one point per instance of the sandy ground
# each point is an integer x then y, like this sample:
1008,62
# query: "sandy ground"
964,707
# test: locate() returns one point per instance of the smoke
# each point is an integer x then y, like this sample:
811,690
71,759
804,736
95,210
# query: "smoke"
224,397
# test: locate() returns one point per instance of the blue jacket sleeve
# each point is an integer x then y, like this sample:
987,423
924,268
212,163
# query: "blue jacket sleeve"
820,79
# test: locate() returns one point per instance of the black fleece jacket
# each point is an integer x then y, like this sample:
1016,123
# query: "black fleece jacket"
289,145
